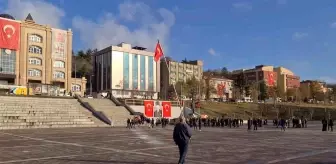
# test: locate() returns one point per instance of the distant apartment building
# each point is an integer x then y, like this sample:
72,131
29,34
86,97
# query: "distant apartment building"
305,88
286,79
280,77
126,71
256,75
222,85
173,72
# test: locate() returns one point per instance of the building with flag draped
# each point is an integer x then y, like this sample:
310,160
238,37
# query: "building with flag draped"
126,71
37,56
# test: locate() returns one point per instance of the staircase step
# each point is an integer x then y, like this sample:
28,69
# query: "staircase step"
27,112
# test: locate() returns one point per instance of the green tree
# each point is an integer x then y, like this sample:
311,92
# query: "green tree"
248,90
209,89
315,88
82,65
332,92
240,83
263,91
225,72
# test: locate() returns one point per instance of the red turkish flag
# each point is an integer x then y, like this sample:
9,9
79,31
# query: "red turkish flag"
270,78
149,108
158,52
9,34
166,109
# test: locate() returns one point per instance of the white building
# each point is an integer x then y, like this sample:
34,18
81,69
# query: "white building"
126,71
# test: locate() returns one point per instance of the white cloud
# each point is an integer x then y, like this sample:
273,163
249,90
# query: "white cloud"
242,6
333,25
299,35
41,11
212,52
109,30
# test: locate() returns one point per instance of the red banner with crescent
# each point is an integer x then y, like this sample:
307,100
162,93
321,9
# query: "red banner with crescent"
149,108
271,78
9,34
220,89
166,106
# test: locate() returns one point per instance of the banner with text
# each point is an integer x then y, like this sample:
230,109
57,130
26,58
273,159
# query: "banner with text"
59,44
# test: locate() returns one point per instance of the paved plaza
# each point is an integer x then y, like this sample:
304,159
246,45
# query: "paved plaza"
155,146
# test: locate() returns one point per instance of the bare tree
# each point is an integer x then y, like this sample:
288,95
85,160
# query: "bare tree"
311,112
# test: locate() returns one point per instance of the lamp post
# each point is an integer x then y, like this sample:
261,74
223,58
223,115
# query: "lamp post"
91,84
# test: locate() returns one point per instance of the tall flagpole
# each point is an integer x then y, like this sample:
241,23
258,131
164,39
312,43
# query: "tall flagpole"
178,99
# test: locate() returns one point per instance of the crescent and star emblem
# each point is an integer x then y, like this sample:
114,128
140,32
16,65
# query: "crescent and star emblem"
149,106
166,107
10,27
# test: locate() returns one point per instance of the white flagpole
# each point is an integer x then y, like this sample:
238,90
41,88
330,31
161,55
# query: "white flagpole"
178,99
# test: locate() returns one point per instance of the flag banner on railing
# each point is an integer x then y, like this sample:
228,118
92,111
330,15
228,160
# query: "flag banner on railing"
166,112
148,107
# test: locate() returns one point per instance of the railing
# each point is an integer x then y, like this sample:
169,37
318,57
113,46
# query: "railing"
100,115
119,103
140,102
114,100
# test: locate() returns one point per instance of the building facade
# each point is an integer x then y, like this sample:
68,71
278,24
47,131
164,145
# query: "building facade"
42,59
305,88
223,87
126,71
173,72
286,79
257,75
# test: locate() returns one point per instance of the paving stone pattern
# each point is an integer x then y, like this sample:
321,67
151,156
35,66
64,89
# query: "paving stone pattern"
155,146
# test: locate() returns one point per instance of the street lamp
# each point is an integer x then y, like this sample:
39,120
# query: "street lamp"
91,84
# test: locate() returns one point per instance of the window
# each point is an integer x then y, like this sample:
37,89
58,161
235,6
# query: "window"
34,72
35,38
59,75
76,87
35,61
59,64
35,49
7,61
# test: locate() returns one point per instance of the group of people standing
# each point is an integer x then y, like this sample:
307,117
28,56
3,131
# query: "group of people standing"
327,123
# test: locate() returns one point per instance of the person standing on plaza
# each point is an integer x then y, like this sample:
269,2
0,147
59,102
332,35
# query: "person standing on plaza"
249,124
330,125
182,135
324,124
199,123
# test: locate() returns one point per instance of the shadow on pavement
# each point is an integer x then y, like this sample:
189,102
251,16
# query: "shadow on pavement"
111,161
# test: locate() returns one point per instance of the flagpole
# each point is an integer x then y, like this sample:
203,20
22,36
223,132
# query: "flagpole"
178,99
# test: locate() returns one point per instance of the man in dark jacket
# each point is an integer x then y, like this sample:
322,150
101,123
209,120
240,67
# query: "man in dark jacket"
182,135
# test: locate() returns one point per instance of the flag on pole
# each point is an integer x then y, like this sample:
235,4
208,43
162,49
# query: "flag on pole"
158,52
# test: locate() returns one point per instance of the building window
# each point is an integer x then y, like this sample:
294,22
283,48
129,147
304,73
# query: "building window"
35,61
34,72
58,75
35,49
59,64
76,88
7,61
35,38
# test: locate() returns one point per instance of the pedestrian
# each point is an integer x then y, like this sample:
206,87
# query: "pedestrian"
200,124
182,135
324,124
330,125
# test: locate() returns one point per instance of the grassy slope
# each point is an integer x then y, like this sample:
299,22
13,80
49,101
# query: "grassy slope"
245,110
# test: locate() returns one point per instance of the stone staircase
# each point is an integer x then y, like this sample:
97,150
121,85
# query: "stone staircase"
117,114
32,112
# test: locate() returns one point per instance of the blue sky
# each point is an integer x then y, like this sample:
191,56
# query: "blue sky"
297,34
